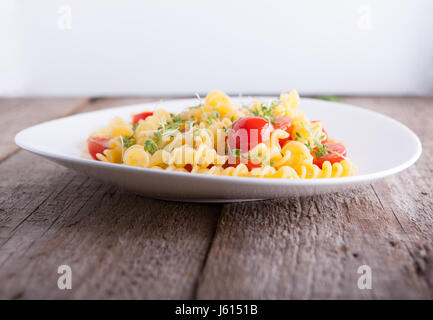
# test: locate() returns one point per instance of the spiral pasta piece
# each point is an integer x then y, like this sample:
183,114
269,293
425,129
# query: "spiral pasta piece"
275,148
136,156
146,128
203,156
344,168
240,170
294,154
119,127
220,101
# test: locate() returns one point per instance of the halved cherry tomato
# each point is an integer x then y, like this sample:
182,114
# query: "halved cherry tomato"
336,153
324,131
247,132
141,116
283,123
97,145
233,162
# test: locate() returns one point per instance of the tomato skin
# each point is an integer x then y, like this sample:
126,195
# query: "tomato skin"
97,145
331,157
283,123
141,116
234,162
245,126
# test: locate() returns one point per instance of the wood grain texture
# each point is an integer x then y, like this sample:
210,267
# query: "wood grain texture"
312,247
121,245
104,103
17,114
118,244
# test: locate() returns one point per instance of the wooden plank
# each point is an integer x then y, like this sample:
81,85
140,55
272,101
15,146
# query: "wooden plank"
312,247
409,196
17,114
103,103
118,244
124,246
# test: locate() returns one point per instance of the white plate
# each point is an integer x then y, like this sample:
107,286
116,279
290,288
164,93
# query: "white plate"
378,145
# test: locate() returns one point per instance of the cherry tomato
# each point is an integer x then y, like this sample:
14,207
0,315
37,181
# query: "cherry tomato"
324,131
141,116
234,162
283,123
340,153
247,132
97,145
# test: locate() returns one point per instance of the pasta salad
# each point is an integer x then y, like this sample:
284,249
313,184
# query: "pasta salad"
220,137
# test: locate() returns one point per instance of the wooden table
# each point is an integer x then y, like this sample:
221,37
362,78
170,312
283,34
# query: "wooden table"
121,245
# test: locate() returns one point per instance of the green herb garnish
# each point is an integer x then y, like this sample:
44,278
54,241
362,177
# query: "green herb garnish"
158,136
216,114
320,150
255,112
329,98
236,152
150,146
209,120
266,111
129,141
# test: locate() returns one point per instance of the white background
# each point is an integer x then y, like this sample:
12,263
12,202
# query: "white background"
181,47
